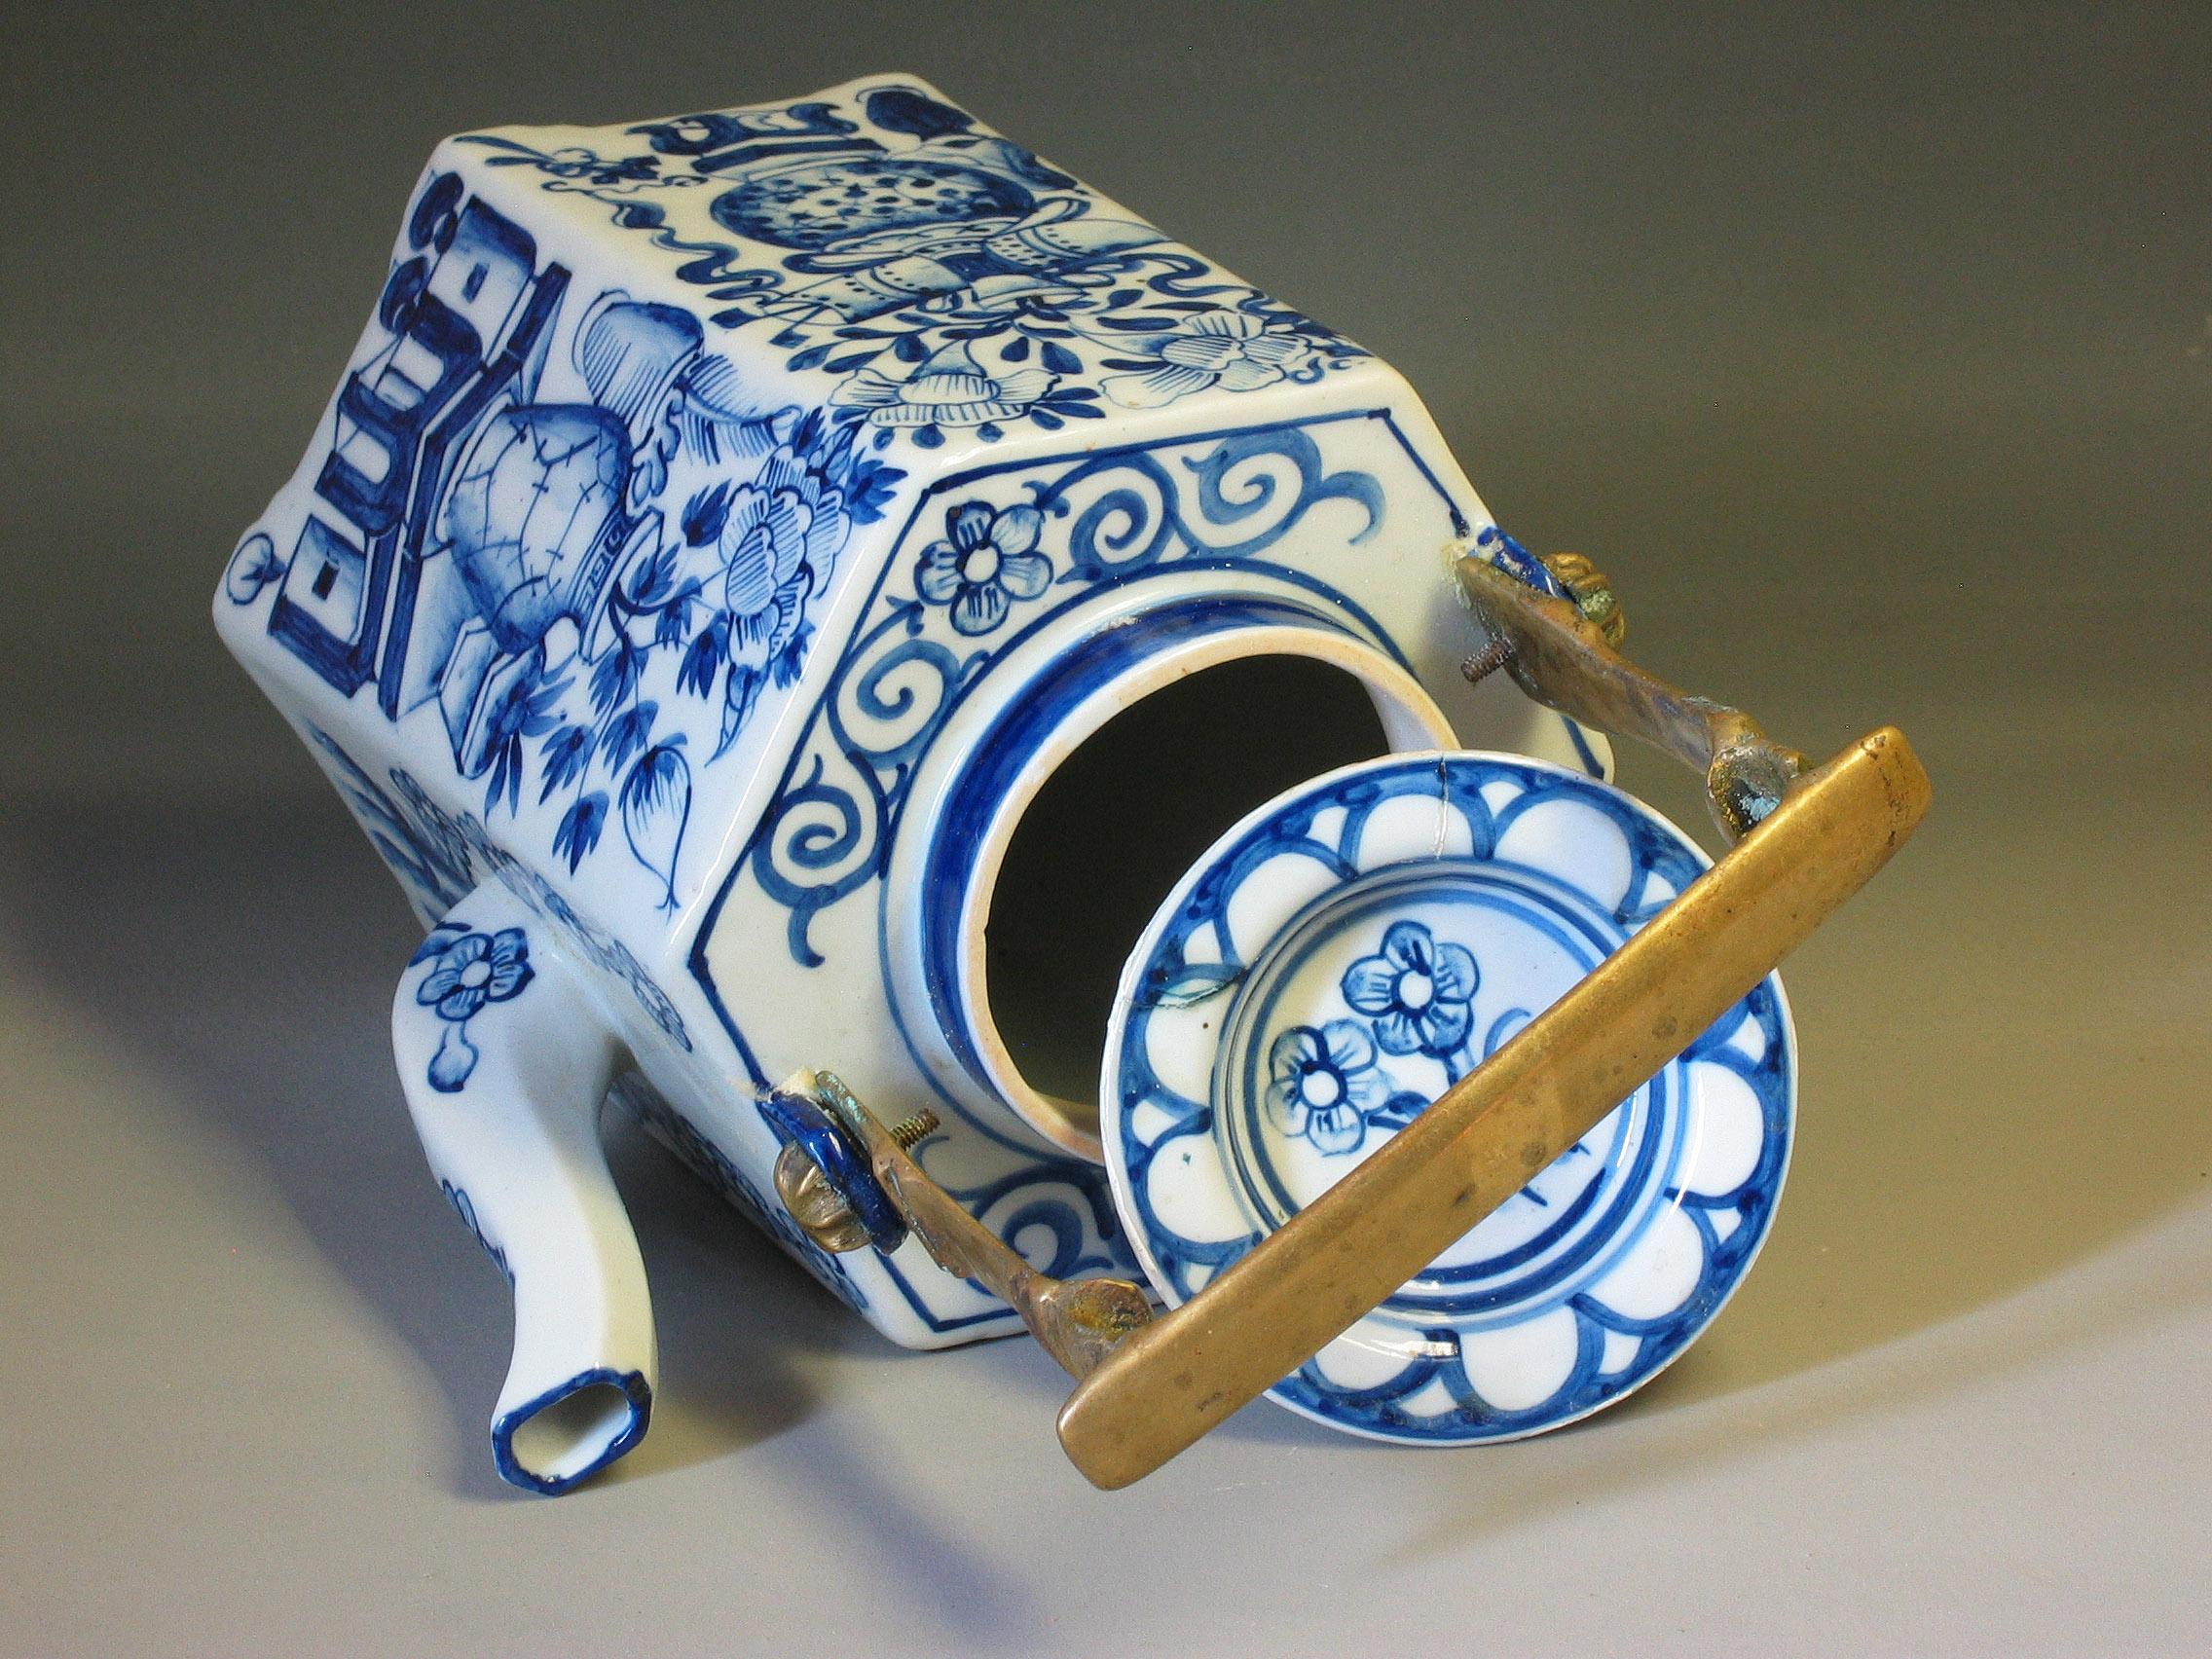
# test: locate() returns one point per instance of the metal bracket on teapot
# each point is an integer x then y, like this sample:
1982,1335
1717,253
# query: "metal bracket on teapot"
1803,840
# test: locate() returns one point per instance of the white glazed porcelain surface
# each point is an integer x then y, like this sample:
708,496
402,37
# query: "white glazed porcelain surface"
1334,964
725,522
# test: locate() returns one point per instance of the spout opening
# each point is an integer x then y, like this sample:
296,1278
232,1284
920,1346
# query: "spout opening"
570,1432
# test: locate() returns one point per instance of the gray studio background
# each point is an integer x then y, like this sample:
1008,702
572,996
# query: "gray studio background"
1870,348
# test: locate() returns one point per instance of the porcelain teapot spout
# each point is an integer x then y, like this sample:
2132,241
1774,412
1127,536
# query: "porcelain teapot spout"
507,1063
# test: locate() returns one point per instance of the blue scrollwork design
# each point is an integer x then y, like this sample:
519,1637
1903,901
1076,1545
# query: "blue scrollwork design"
994,572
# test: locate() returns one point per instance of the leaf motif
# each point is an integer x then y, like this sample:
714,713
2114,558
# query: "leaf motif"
539,711
738,695
705,514
656,806
628,733
507,777
566,753
871,490
1060,361
649,584
1401,1109
785,667
670,628
704,659
836,450
581,829
614,680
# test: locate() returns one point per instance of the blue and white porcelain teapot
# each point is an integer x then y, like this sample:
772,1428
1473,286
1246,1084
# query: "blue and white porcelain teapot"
723,527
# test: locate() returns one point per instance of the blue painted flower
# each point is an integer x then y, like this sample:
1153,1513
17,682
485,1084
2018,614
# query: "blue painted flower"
776,545
1418,992
1230,348
467,970
476,969
947,388
986,561
1324,1083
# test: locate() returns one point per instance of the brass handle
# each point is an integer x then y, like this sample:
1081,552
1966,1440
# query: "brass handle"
1805,841
1565,661
1078,1321
1170,1380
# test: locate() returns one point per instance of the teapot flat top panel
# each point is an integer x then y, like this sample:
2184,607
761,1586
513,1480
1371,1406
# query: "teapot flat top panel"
878,250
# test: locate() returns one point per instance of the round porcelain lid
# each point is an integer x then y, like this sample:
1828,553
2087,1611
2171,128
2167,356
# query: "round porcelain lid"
1328,969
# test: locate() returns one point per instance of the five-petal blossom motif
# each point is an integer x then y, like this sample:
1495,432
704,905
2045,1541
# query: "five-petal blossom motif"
986,561
1418,992
466,971
476,969
1324,1083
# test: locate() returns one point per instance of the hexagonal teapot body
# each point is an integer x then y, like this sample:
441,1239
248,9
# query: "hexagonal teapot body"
723,526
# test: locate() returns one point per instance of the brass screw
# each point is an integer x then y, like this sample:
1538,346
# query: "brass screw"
1591,595
1488,661
908,1132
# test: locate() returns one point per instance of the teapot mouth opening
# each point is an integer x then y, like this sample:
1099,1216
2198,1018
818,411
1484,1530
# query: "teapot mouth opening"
1037,764
571,1431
